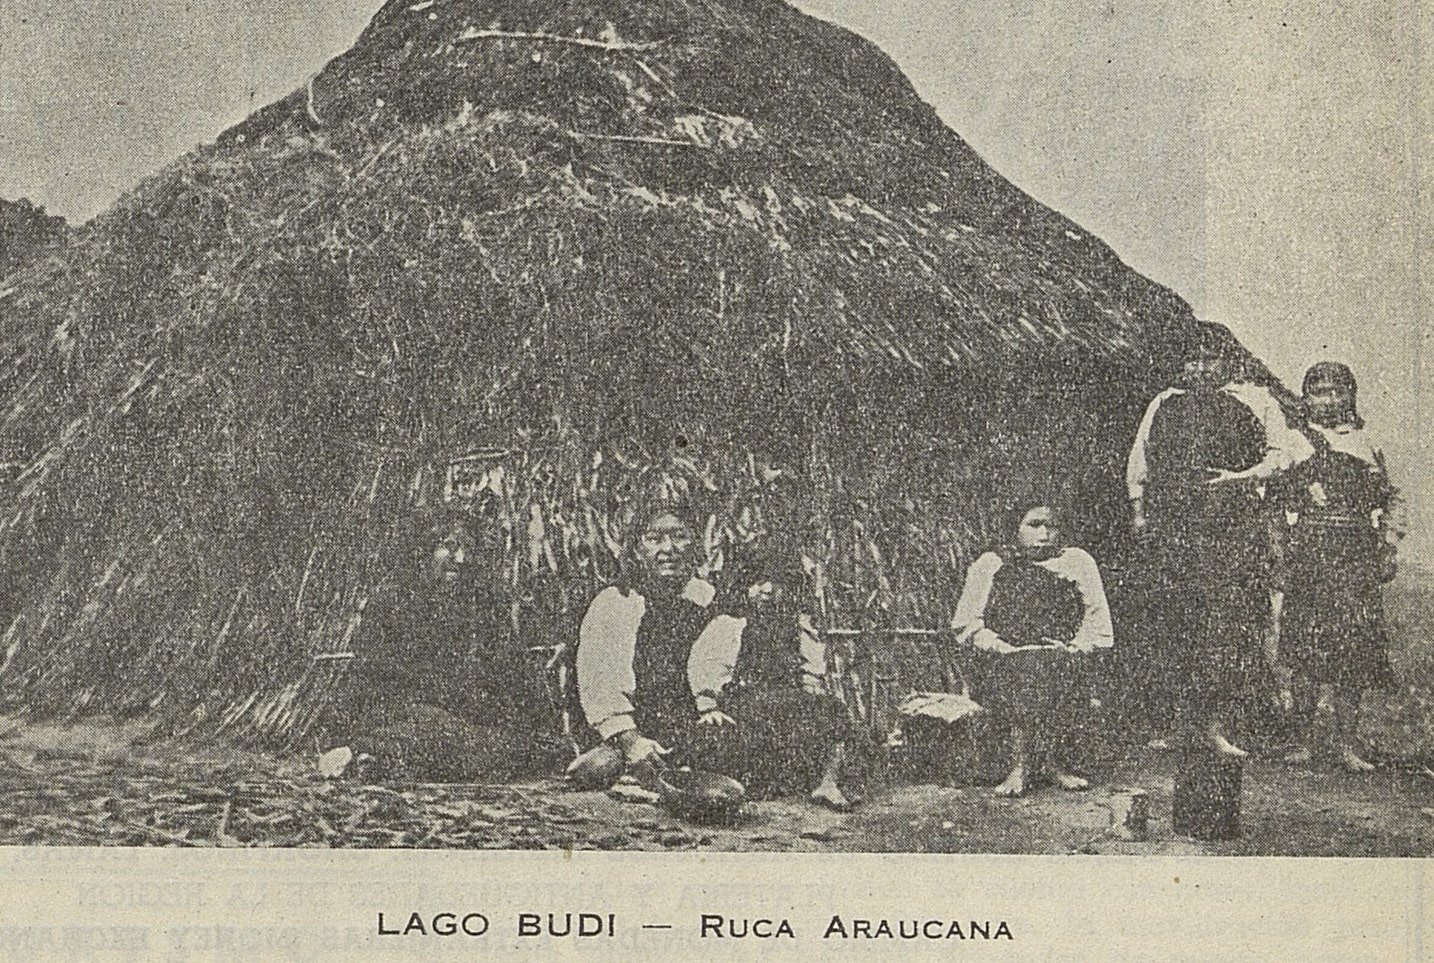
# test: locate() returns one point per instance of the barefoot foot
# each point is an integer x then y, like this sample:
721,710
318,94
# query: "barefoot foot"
1068,781
1216,740
830,796
1300,756
1014,784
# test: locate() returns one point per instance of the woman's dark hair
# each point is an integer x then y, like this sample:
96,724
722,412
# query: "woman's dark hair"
1339,375
651,509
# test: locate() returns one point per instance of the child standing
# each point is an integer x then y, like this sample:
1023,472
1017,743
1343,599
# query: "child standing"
1332,627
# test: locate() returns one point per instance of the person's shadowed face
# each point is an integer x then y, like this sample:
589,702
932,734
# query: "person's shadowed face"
1329,403
665,551
448,564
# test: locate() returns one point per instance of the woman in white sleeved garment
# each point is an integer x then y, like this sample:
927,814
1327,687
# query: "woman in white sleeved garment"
657,669
1041,610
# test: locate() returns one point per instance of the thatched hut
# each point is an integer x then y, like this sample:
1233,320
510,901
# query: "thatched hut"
563,240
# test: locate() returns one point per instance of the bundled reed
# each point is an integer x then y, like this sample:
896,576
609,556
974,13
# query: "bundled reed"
566,241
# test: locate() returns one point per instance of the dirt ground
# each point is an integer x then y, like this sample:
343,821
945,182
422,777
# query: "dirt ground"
104,783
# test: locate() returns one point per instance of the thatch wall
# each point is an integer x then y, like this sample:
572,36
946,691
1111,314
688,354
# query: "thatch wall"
27,234
582,238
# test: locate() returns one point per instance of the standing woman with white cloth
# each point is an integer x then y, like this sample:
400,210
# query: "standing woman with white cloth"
1202,456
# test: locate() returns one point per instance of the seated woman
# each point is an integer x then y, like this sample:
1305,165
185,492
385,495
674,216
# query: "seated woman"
1041,609
655,662
796,733
431,695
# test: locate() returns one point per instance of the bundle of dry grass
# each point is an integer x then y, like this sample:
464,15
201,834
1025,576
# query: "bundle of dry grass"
27,234
573,239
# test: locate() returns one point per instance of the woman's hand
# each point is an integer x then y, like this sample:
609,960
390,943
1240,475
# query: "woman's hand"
637,748
989,641
1224,476
715,717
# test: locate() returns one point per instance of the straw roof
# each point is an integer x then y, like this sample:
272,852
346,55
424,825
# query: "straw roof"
27,233
570,237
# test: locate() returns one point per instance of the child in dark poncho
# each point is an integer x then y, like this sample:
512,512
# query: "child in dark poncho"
432,695
800,737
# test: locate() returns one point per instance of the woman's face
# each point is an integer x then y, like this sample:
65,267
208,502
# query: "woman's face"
665,548
1037,530
1328,402
449,561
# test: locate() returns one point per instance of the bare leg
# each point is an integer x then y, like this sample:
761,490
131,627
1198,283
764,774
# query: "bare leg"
1042,757
1304,699
1284,677
828,793
1015,783
1271,640
1205,725
1346,722
1212,720
1205,716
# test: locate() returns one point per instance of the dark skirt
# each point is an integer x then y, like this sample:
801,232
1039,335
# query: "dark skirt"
780,743
1034,686
1208,600
1332,628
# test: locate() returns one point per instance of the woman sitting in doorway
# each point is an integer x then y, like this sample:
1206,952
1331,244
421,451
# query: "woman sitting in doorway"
433,694
1041,610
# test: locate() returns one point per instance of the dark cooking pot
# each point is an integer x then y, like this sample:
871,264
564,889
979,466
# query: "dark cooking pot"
704,797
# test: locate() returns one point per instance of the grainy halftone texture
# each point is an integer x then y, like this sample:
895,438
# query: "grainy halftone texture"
575,240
